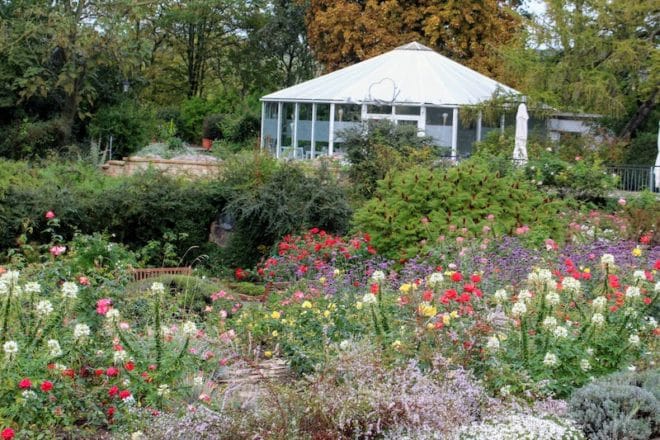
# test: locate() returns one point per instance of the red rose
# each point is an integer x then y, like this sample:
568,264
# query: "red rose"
124,394
25,383
111,412
647,300
374,289
112,392
457,277
7,434
130,366
475,278
656,266
112,371
99,371
46,386
427,295
69,373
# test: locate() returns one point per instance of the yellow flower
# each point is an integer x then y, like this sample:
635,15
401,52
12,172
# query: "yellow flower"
454,314
306,305
446,319
326,313
275,315
337,272
430,326
284,321
275,333
268,354
358,305
637,252
405,288
396,344
587,270
322,280
425,309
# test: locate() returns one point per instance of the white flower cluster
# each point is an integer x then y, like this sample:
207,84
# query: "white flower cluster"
632,292
552,298
112,315
633,340
656,288
607,260
639,275
378,276
570,284
369,298
597,319
9,283
550,360
493,343
585,365
521,426
435,279
157,288
541,277
501,296
525,295
44,308
519,309
81,331
189,329
54,349
550,322
599,303
32,287
560,332
10,348
70,290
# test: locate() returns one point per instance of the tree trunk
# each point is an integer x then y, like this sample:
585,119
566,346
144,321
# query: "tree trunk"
639,118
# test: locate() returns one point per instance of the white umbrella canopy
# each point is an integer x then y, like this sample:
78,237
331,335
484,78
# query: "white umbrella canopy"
520,149
656,170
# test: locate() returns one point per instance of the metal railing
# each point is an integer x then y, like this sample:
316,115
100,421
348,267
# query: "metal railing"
635,177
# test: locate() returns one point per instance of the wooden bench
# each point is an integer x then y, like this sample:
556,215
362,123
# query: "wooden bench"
143,274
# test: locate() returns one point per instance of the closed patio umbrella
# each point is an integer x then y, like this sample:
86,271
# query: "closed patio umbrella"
520,149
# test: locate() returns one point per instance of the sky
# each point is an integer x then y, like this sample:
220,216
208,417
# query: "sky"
536,7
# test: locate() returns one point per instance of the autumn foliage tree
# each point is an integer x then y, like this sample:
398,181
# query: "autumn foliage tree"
343,32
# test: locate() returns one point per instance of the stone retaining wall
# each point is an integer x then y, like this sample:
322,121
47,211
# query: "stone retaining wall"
192,168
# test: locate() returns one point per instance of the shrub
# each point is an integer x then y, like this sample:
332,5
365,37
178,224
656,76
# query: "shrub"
375,149
611,409
32,139
130,125
643,215
212,127
265,208
193,113
413,208
169,214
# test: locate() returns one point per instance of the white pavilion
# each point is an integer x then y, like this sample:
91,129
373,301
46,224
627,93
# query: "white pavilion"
411,84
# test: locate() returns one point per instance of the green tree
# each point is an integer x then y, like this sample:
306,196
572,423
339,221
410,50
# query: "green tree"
592,56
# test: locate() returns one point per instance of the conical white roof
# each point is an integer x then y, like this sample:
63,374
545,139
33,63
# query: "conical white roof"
409,74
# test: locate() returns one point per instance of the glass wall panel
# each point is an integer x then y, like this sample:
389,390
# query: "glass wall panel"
379,109
407,110
322,129
288,109
270,126
467,135
439,125
347,116
304,131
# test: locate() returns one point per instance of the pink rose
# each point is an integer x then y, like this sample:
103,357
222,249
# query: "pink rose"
50,215
103,306
57,250
622,201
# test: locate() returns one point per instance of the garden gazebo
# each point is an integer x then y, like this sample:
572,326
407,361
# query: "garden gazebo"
411,84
